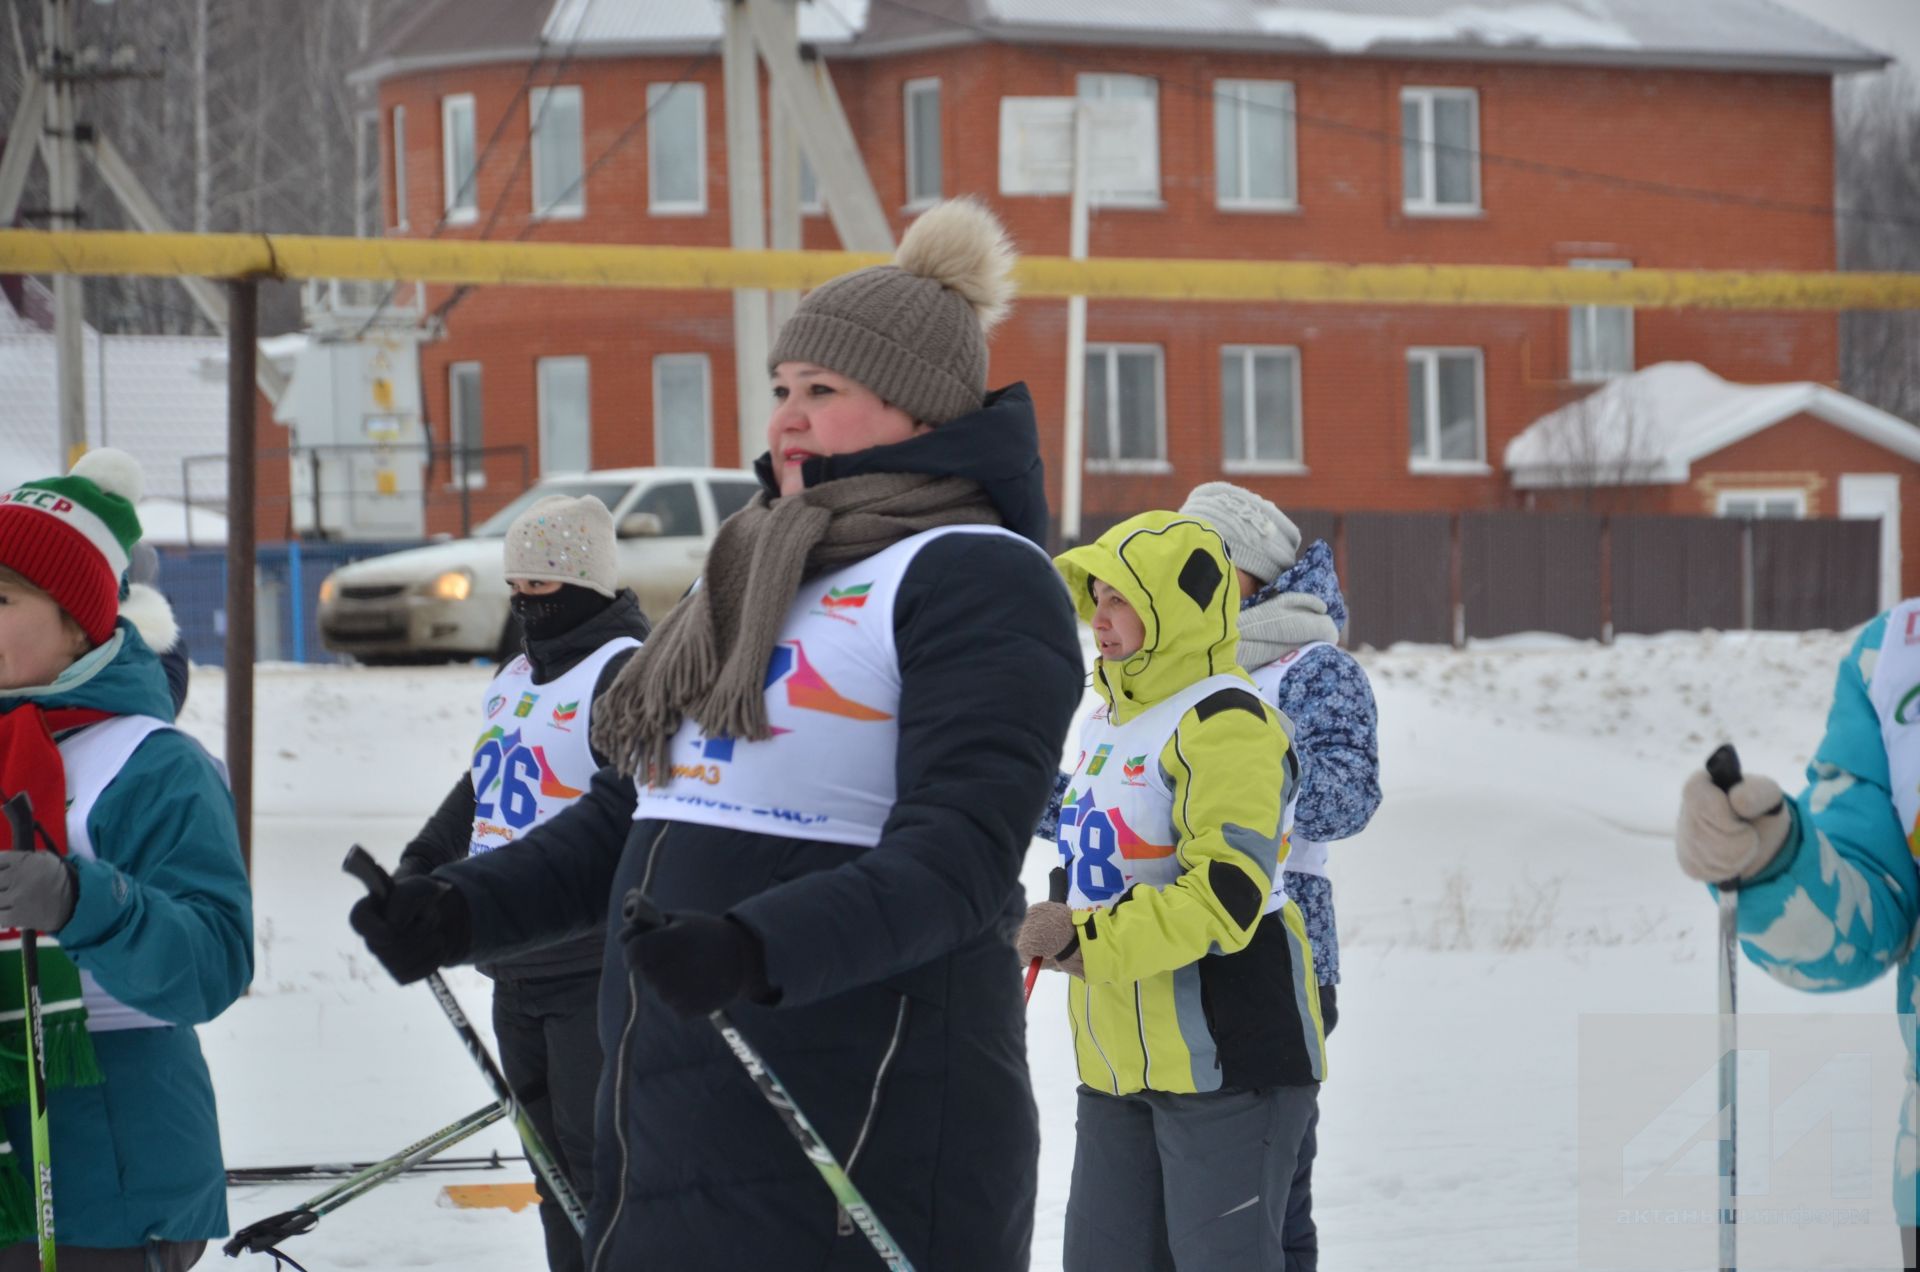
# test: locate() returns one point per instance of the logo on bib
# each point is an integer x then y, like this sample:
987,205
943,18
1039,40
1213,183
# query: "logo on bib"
808,690
563,715
1905,713
494,704
1100,754
524,707
1134,771
840,601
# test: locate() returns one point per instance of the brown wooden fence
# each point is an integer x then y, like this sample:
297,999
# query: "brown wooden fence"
1438,578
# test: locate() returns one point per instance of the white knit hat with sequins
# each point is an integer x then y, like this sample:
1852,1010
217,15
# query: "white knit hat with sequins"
566,540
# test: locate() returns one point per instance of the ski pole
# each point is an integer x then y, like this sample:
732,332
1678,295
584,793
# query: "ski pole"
361,865
642,914
1723,766
20,823
261,1236
1056,891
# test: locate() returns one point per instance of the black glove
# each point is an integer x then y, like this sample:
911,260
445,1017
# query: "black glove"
422,926
698,963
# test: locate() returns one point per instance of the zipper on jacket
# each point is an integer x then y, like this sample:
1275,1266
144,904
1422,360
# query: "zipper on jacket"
1086,991
845,1220
1140,1023
620,1076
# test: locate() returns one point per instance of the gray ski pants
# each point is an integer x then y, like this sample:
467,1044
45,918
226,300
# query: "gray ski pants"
1184,1183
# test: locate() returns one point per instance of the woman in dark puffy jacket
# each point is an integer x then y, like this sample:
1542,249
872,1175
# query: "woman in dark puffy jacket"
838,745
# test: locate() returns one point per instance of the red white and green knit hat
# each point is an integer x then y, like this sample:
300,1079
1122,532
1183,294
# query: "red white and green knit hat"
70,536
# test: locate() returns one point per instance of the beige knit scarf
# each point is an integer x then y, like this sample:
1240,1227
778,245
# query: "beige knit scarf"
707,659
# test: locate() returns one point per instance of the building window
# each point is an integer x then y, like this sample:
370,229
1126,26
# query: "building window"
923,142
554,125
399,167
1253,143
1440,150
682,417
464,433
566,426
1260,406
1125,420
809,188
457,159
1599,337
676,148
1785,504
1141,136
1445,415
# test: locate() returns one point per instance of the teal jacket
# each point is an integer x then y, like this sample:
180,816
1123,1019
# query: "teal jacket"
164,920
1836,908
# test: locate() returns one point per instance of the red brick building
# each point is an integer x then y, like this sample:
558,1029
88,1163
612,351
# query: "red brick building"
1658,138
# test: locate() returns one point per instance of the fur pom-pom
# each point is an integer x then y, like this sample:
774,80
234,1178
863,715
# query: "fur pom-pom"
961,245
151,616
114,471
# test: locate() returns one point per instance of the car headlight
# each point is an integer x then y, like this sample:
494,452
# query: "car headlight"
326,589
454,585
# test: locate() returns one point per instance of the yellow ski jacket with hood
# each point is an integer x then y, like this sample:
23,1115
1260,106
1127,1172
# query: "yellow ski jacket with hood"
1197,984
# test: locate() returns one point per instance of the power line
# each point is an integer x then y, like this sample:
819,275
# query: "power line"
1385,137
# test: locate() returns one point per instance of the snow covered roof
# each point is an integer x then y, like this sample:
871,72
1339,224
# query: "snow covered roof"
1649,427
160,407
1712,34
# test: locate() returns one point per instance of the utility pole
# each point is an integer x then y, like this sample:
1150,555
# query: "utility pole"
60,69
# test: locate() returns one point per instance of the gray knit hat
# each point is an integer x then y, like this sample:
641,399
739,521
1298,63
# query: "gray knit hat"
1260,538
915,331
566,540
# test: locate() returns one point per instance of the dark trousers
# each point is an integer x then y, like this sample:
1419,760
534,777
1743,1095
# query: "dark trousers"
549,1032
155,1256
1299,1236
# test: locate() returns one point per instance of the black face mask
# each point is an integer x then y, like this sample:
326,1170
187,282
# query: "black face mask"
557,613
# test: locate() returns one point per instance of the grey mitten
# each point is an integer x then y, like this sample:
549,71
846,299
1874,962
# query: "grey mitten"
1726,836
36,891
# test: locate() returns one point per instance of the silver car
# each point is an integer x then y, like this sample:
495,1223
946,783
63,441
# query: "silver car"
449,600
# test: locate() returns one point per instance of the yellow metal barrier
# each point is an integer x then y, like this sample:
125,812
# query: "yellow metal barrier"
725,269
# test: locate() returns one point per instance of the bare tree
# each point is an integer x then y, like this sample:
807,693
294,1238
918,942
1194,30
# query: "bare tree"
1878,178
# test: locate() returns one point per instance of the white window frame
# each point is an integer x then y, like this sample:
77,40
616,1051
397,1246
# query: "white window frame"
1291,467
1159,463
1431,355
1085,80
676,207
468,471
1796,495
1225,97
540,371
706,401
397,147
1427,204
574,205
909,91
1590,375
468,212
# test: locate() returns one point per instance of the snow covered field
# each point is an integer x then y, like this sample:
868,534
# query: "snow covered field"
1520,874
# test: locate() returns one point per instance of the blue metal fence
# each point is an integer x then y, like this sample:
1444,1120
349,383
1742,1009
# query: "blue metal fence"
286,597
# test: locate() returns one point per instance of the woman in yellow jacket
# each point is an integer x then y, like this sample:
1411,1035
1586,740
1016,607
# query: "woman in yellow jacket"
1196,1017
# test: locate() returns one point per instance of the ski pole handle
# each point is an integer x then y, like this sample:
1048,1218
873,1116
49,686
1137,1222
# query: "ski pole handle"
19,811
361,865
1723,766
640,914
1056,891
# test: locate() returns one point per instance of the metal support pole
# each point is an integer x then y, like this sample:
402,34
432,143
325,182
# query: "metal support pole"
243,319
1073,462
746,211
63,186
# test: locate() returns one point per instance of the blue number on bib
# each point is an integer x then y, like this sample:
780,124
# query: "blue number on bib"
518,803
486,762
1099,877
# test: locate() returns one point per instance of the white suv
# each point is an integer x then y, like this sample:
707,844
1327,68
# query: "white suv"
449,600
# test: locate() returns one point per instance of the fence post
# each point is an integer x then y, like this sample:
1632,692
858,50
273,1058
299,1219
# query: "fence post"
1746,572
1606,580
296,602
1456,582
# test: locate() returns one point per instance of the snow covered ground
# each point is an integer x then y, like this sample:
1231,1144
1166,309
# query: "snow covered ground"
1519,875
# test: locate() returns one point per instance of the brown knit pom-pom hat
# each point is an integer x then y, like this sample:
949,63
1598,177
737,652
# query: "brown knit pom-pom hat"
915,331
